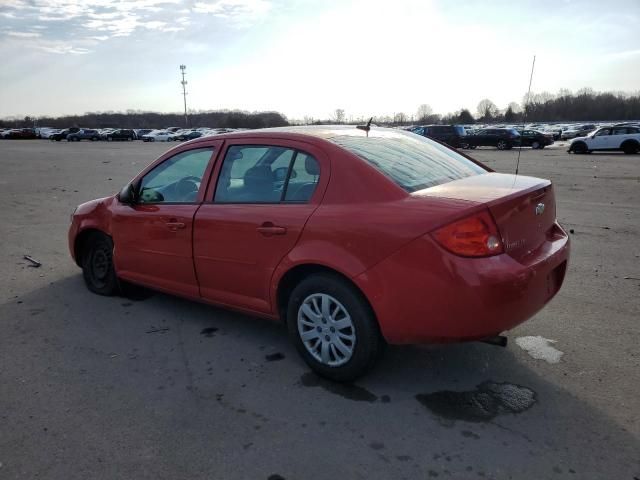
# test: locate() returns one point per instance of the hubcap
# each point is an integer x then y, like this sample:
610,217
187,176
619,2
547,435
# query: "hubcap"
326,329
100,265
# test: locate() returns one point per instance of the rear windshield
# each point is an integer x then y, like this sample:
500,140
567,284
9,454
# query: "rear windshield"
411,161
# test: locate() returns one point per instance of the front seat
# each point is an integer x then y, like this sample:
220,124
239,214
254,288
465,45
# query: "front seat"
258,186
304,191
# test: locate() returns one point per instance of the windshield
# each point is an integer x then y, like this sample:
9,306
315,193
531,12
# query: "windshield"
411,161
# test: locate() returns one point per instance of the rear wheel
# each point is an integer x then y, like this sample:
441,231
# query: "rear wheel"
97,265
630,148
502,145
333,327
535,145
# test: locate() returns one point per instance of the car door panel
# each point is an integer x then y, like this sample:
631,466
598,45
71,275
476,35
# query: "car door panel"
237,246
153,242
153,246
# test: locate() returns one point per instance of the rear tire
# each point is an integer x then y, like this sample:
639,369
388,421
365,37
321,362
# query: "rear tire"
535,145
630,148
502,145
342,339
97,265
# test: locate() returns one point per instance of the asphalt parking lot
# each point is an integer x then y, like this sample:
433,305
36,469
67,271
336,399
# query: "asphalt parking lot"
161,388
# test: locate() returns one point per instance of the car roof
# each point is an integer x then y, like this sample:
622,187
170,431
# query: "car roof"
322,132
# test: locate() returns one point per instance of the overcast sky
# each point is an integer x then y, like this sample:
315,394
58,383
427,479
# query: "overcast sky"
308,57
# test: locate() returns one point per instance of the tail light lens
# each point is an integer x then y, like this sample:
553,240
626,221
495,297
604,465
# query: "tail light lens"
474,236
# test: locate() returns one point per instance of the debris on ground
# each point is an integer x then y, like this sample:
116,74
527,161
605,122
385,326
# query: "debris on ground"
158,330
34,262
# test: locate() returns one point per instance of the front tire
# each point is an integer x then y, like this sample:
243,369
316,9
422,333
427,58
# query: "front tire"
333,327
535,145
579,148
97,265
502,145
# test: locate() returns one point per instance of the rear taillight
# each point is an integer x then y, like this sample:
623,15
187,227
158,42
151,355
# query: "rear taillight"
474,236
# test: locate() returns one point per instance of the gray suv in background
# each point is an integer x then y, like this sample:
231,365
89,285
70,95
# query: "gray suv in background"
83,134
454,135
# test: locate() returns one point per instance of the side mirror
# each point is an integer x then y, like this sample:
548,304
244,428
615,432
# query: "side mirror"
128,195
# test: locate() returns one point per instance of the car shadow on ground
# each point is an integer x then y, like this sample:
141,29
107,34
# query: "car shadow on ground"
158,353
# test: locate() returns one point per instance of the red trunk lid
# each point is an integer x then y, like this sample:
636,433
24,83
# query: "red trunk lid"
523,207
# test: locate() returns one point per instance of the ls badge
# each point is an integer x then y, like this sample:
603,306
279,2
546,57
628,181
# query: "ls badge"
540,209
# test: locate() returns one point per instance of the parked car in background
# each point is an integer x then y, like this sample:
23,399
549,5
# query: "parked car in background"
62,134
157,136
535,139
47,132
20,134
276,229
501,138
183,136
453,135
141,132
577,131
625,138
83,134
122,134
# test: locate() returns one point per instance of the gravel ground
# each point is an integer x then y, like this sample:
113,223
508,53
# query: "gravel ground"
155,387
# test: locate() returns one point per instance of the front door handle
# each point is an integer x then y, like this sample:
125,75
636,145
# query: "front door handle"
268,228
175,225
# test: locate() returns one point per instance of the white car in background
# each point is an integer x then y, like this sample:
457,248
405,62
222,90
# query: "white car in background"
625,138
157,136
46,132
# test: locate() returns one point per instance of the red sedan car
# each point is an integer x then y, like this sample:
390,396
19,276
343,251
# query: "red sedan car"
352,238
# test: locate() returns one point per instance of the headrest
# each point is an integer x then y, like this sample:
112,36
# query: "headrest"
311,166
259,176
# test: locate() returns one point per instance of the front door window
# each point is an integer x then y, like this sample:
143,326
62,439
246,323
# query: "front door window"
176,180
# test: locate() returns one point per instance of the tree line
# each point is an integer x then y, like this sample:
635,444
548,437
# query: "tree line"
565,106
154,120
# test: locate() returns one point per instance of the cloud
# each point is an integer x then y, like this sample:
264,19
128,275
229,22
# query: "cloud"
23,34
235,9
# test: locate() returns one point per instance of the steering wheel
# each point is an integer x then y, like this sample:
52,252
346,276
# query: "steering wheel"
186,187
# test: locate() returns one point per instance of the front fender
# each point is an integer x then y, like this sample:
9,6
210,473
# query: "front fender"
93,215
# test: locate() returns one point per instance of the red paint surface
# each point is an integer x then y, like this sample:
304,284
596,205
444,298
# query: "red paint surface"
357,223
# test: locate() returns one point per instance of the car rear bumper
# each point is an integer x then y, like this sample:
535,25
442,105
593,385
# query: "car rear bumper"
422,294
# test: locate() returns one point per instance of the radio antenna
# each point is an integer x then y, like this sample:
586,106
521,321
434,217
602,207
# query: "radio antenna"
524,114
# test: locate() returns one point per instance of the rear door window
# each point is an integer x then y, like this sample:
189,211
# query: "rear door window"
266,174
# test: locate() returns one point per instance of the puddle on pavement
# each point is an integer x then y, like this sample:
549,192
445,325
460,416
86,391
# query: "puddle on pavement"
487,401
208,332
274,357
540,348
345,390
136,293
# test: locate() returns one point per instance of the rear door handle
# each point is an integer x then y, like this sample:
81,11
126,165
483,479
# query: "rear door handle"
175,225
268,228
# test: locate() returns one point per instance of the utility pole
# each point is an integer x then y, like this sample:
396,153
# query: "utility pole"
184,94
